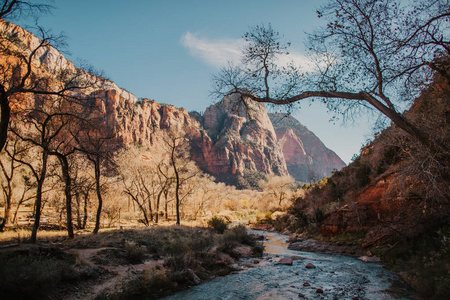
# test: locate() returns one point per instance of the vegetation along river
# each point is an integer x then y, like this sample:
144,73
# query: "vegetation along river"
334,277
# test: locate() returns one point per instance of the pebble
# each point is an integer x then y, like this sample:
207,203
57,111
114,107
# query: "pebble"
310,266
320,291
306,284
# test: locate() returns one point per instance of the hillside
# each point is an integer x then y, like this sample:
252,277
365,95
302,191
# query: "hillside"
393,200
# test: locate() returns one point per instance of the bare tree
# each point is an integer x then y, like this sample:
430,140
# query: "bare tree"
45,126
278,187
8,167
365,52
137,177
16,9
177,149
83,184
95,138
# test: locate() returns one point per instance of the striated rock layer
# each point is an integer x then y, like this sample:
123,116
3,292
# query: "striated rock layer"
307,158
241,138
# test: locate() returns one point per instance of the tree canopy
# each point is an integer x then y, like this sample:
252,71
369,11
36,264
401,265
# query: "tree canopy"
371,53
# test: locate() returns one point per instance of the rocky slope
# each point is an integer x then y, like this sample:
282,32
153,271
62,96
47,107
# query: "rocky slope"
241,138
393,199
307,158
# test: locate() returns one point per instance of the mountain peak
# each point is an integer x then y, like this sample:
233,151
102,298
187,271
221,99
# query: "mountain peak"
307,158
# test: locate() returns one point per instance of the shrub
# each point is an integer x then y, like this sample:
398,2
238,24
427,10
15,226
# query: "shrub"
239,235
135,253
154,283
218,224
26,277
363,175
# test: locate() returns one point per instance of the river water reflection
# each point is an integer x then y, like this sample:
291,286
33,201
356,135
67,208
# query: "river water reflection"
335,277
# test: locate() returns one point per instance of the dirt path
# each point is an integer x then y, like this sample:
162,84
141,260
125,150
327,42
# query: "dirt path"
112,277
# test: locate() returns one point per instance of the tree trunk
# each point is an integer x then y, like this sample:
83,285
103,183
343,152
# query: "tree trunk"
8,197
399,120
166,205
177,185
38,203
158,200
7,214
99,194
4,121
67,192
77,198
85,217
150,210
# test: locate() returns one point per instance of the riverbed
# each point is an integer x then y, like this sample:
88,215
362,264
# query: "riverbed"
334,277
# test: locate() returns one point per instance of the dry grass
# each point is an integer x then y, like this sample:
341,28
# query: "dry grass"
179,250
22,235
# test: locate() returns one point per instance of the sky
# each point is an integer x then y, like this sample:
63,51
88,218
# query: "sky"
167,50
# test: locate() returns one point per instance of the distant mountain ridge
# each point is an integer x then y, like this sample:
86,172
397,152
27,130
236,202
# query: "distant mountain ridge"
307,158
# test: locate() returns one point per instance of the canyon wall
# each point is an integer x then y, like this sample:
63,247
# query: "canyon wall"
232,138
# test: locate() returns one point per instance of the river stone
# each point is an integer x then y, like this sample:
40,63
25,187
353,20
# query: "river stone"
310,266
194,277
285,261
320,291
368,259
295,257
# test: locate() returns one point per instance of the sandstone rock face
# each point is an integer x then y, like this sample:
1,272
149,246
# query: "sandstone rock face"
242,139
51,60
306,156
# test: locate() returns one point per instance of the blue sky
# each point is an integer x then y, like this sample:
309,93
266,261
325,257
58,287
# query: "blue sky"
167,50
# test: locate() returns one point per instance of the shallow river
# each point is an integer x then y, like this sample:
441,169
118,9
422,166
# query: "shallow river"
335,277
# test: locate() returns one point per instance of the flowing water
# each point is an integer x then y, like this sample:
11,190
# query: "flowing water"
335,277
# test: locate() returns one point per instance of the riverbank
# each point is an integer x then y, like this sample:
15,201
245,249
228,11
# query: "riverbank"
146,263
422,263
286,274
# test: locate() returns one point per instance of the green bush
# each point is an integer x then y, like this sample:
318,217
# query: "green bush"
218,224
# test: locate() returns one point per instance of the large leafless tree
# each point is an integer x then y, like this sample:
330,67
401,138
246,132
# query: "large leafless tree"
18,62
370,54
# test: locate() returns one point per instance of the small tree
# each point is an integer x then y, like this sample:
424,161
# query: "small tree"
279,188
8,168
138,176
184,169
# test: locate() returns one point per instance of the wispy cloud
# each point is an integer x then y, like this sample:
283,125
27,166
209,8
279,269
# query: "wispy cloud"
297,59
219,52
